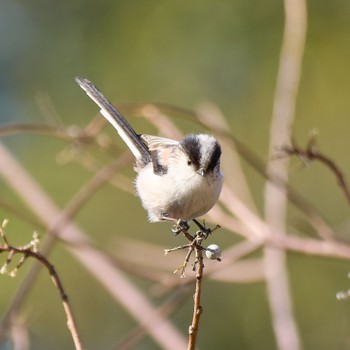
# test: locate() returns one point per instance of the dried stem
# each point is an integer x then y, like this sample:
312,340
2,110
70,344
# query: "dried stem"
43,129
197,308
310,153
28,251
195,245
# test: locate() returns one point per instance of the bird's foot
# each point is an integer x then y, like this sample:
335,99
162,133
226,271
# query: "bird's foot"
180,226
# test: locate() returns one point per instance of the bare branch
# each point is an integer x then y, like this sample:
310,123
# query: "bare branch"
197,307
195,245
43,129
284,324
31,251
310,153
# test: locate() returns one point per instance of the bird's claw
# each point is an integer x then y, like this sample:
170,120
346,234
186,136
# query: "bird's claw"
180,226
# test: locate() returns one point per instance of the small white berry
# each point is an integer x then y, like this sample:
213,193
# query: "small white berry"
213,252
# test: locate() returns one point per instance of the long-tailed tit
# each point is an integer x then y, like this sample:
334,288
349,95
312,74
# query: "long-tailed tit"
176,181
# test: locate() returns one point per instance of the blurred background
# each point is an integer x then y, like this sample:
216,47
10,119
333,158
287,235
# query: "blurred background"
183,53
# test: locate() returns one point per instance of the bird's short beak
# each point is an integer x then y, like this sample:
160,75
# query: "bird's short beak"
201,172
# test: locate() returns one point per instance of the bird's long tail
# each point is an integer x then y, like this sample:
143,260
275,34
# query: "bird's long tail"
124,129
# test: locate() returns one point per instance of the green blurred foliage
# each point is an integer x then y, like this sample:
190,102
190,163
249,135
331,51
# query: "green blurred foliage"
183,52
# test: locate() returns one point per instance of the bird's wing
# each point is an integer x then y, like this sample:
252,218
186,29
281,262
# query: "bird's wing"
156,142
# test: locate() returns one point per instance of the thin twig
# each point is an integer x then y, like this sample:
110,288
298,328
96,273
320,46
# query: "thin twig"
311,153
197,308
44,129
195,245
182,268
28,251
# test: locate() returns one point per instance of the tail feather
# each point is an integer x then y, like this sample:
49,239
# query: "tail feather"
124,129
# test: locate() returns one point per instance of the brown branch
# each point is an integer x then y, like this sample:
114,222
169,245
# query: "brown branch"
197,308
311,153
43,129
28,251
87,135
195,244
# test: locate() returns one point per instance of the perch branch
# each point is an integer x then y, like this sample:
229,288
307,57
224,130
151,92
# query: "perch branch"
195,245
197,308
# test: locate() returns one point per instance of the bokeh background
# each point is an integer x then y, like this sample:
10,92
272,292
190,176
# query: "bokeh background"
183,53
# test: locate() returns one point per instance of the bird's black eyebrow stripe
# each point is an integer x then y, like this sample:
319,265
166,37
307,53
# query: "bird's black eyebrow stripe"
191,146
214,157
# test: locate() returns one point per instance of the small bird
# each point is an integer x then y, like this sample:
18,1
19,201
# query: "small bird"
176,181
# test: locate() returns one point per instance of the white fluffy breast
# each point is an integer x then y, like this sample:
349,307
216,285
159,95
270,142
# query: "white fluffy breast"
182,193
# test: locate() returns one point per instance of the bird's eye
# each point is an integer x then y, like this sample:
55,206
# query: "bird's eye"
189,162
